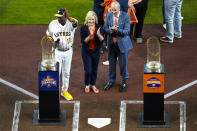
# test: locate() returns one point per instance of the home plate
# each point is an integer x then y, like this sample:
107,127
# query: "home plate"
99,122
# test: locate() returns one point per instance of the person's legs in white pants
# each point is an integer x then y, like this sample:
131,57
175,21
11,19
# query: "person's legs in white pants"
170,6
178,19
66,65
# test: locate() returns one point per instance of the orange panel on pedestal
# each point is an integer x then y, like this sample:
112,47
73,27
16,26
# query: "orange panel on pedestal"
153,83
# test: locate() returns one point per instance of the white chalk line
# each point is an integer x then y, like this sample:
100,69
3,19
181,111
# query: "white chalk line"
16,116
77,105
17,110
18,88
75,126
180,89
122,124
182,116
36,97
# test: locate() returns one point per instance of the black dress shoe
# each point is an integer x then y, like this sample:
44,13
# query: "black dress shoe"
107,86
123,87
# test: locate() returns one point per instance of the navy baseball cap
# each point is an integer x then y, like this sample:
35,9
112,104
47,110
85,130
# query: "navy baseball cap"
60,12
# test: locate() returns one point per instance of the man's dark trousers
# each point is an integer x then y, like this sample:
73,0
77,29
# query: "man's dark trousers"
113,54
141,9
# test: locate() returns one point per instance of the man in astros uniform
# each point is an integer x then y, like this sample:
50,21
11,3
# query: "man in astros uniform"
62,30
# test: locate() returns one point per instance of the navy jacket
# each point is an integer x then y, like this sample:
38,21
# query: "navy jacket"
84,32
123,5
98,9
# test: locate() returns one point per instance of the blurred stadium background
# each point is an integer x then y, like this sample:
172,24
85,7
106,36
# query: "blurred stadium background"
38,12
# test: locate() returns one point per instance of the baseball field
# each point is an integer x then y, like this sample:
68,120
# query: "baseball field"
38,12
22,25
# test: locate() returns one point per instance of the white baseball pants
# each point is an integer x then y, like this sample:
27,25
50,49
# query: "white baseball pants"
64,58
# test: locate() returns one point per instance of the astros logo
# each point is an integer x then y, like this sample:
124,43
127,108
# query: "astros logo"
48,82
153,83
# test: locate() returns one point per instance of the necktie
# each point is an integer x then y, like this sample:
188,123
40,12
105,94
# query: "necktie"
115,23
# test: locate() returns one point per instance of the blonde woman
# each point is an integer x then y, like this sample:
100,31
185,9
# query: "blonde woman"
91,39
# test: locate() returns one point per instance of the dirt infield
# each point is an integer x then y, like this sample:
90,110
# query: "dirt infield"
20,53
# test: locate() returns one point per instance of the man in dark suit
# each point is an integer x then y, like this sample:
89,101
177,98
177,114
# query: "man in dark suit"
117,26
123,5
98,8
141,9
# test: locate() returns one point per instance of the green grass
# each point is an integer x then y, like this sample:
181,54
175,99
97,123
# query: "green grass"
42,11
154,12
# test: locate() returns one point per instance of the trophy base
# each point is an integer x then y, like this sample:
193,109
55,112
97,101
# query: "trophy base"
153,123
48,68
48,65
149,68
153,65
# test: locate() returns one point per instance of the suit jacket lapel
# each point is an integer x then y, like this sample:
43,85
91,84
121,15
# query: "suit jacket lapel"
112,20
120,18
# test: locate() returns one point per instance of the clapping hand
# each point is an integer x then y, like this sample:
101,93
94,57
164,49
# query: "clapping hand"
91,31
99,32
114,28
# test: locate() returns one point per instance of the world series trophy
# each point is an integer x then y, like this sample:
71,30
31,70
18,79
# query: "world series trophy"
153,55
153,89
49,112
48,53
